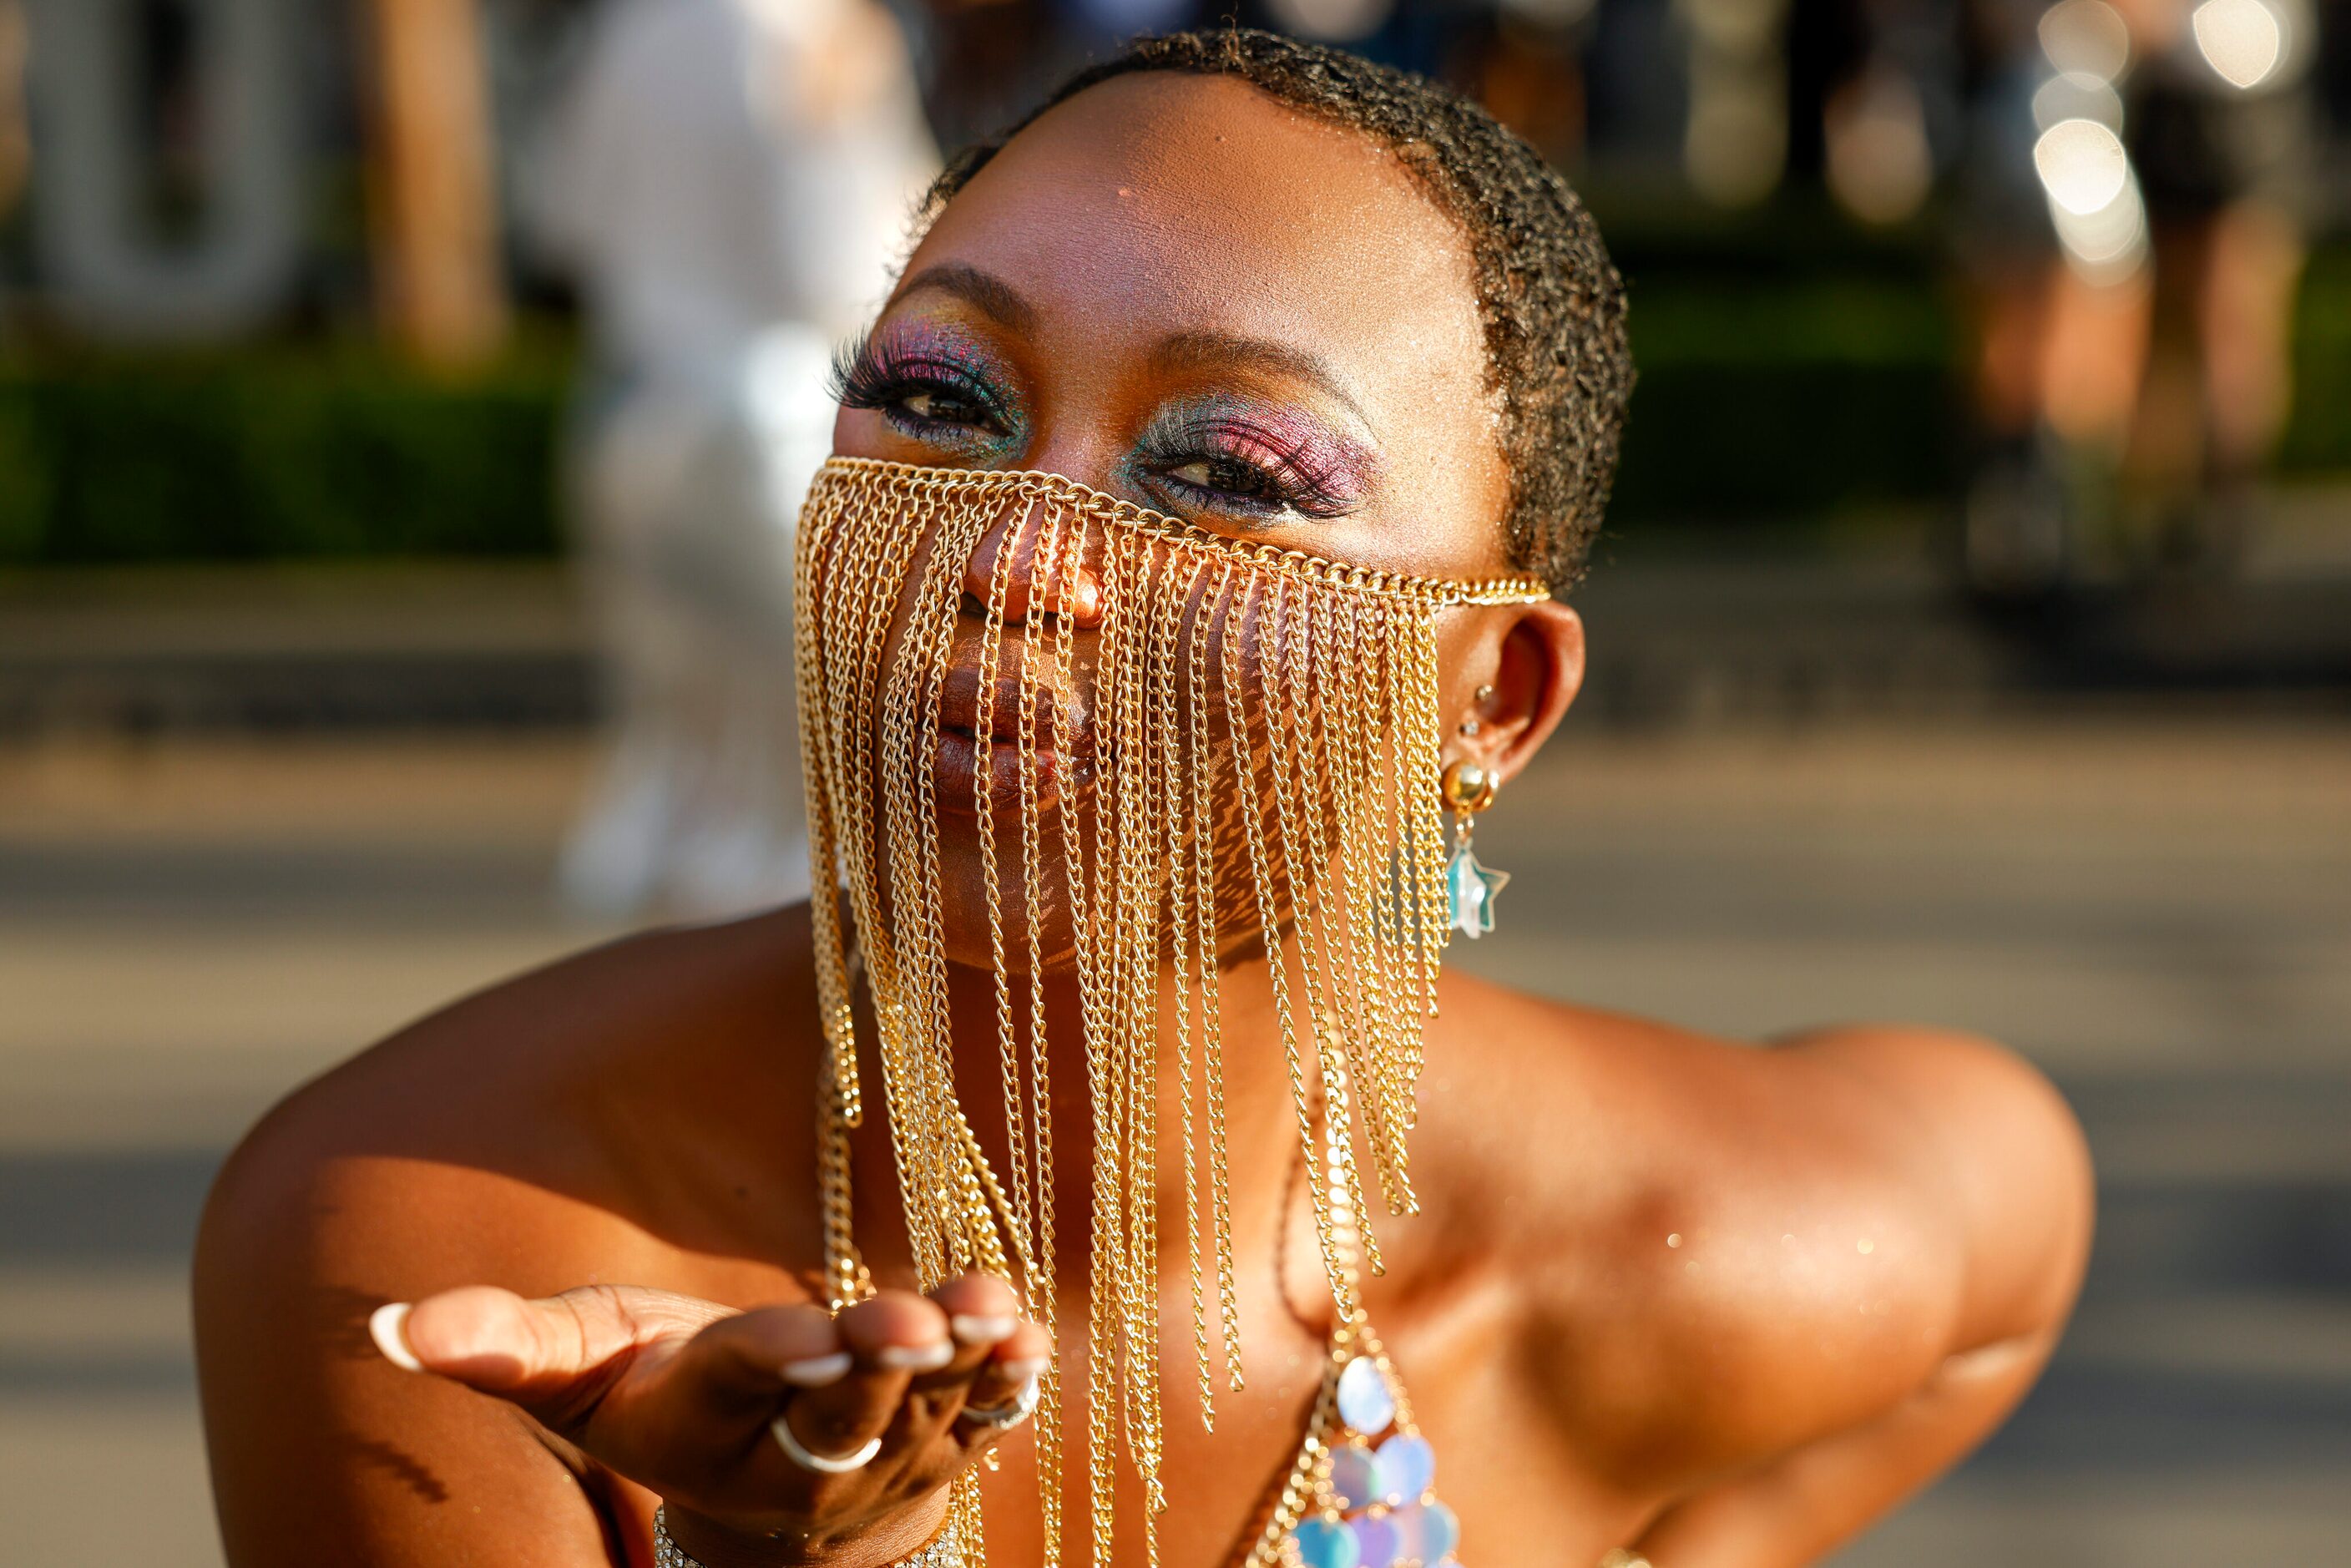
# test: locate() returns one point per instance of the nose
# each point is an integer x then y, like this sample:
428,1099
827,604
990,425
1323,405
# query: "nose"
1057,586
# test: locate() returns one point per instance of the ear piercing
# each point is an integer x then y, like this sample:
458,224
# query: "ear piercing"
1470,725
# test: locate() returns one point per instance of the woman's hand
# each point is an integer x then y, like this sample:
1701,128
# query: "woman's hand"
681,1395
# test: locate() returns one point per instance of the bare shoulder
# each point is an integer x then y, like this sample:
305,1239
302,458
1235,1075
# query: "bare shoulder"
553,1131
1766,1243
1988,1140
545,1090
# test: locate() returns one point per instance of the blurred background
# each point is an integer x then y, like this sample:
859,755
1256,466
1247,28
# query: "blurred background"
403,407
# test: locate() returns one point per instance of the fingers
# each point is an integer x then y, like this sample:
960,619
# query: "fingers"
983,1316
746,1366
1010,1369
891,1339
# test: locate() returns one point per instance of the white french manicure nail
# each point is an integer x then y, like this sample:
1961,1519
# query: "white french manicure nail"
915,1358
972,1329
816,1371
1025,1371
388,1326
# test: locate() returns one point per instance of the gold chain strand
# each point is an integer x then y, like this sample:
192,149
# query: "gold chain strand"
1351,1338
1421,792
848,762
1138,788
1116,767
1354,991
1102,1283
1384,723
834,1007
1019,1229
854,794
1391,1088
915,685
983,800
846,1279
1338,674
901,1073
1268,919
1336,1044
1043,1305
1379,1086
975,1241
1300,827
1168,735
1115,1131
1212,1048
913,825
1140,850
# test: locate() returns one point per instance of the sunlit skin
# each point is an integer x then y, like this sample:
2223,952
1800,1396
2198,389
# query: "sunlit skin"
1724,1304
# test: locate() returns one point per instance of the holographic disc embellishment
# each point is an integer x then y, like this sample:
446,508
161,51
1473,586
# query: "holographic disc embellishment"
1356,1481
1373,1506
1325,1544
1366,1401
1407,1468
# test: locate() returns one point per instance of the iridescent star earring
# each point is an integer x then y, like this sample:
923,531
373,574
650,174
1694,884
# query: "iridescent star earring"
1469,788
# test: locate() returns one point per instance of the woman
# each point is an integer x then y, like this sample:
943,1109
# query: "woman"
1089,698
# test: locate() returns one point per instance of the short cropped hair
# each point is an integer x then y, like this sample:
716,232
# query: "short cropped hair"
1551,303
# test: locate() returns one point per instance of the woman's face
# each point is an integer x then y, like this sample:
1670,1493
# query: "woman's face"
1179,291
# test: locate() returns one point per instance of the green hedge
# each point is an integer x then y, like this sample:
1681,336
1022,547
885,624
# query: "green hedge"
1778,398
275,454
1762,398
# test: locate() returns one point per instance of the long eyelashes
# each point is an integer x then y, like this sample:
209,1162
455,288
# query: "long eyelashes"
1227,459
1219,453
929,392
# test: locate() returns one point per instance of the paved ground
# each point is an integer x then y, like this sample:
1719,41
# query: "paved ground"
2159,910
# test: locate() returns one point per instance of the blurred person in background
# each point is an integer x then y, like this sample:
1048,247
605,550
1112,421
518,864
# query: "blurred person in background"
731,181
2132,230
15,140
2222,133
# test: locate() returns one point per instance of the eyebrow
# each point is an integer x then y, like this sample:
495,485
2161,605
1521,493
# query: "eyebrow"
1006,305
994,297
1229,351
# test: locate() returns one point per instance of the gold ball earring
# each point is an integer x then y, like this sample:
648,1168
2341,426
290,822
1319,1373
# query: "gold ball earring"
1468,787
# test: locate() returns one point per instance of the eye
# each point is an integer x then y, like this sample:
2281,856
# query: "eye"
1237,469
1226,477
928,394
944,404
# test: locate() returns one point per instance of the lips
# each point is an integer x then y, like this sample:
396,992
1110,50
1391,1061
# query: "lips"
983,712
978,708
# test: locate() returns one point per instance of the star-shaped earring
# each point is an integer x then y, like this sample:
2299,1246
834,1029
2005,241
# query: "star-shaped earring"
1473,887
1468,788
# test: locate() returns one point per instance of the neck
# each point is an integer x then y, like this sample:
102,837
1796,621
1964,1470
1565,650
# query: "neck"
1238,1073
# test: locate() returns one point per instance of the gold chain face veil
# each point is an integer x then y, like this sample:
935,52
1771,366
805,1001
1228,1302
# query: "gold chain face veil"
1148,749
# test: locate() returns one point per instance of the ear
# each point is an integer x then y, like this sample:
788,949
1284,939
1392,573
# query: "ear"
1535,668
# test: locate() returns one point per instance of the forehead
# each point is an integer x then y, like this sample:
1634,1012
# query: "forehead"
1159,204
